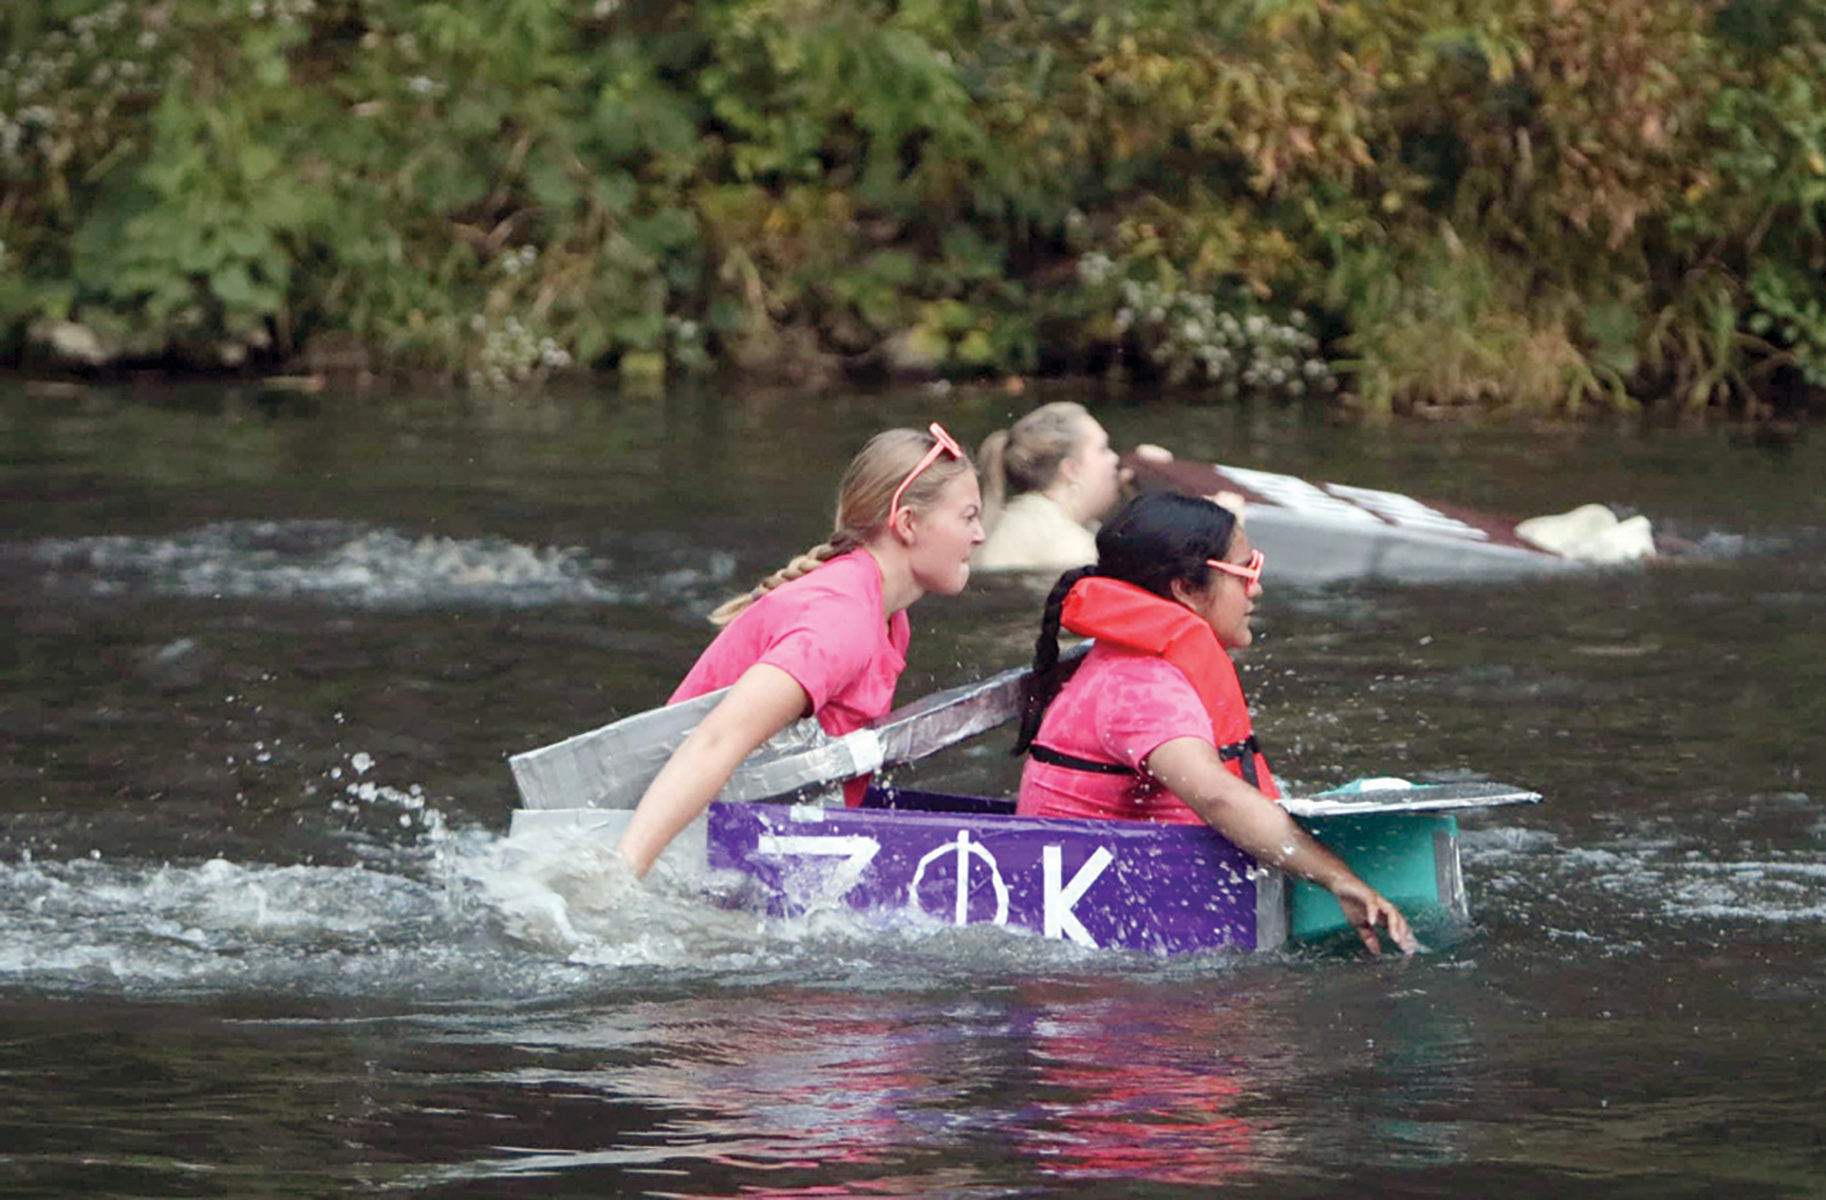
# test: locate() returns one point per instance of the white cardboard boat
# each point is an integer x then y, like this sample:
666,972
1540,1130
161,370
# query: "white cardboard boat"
1321,532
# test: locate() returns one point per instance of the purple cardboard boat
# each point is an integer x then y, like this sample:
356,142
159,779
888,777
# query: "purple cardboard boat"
924,857
1158,888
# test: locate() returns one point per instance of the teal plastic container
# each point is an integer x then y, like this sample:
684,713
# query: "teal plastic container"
1411,858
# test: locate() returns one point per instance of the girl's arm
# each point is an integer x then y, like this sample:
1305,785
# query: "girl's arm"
763,701
1259,827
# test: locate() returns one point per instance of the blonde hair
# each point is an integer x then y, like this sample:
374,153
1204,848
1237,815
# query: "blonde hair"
1027,454
864,495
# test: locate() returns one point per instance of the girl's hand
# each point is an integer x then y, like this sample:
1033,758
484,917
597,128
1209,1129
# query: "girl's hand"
1366,910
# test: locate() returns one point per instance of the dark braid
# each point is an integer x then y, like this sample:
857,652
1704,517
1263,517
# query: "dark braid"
1046,678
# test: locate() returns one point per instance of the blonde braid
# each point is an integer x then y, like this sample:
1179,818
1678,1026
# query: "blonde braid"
803,564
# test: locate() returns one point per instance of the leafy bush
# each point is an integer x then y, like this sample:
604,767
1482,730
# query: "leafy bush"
1510,204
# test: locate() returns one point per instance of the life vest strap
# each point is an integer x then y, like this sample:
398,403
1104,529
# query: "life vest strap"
1058,758
1243,752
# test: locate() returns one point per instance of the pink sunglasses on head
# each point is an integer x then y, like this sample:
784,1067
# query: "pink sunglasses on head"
1250,574
942,443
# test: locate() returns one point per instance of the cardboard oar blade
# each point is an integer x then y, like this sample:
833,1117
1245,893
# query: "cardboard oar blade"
611,767
1421,797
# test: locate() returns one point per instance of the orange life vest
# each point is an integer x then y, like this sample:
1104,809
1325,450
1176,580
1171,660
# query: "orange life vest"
1122,614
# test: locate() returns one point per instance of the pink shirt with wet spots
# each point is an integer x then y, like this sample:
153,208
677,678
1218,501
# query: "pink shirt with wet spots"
826,630
1120,707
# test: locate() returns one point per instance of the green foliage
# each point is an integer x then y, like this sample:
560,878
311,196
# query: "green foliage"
1449,325
1507,203
1791,313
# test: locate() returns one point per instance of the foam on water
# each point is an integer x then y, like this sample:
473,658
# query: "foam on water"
349,563
458,922
449,914
469,914
1663,879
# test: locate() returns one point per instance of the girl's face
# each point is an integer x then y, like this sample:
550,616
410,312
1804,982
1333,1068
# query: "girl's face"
1227,601
1095,468
945,535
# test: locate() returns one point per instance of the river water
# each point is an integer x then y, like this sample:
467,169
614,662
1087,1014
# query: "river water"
261,935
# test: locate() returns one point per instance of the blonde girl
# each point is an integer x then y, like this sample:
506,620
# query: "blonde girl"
826,636
1047,480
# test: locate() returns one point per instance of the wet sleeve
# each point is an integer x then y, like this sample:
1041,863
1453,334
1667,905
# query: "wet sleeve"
1145,705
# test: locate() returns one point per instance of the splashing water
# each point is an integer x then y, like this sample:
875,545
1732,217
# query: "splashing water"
353,564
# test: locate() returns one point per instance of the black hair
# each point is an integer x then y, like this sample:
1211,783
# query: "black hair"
1152,542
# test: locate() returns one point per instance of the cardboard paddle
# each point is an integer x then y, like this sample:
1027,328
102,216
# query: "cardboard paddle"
610,767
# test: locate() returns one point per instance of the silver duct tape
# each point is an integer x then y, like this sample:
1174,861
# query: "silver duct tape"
1270,908
1451,875
824,760
946,718
611,767
592,769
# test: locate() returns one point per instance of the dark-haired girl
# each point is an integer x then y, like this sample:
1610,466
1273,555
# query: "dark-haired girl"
1152,725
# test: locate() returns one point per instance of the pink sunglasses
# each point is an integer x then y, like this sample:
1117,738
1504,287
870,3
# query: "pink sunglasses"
942,442
1251,574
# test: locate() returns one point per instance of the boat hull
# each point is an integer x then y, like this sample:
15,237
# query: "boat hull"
1161,889
1319,533
918,858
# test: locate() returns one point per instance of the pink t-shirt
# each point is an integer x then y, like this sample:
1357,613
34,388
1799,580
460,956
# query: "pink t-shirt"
1121,706
826,630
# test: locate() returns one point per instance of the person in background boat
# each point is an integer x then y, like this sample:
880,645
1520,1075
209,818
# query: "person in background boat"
1152,725
1065,477
826,635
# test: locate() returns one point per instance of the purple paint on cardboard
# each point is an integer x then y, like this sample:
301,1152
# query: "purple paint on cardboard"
1164,889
